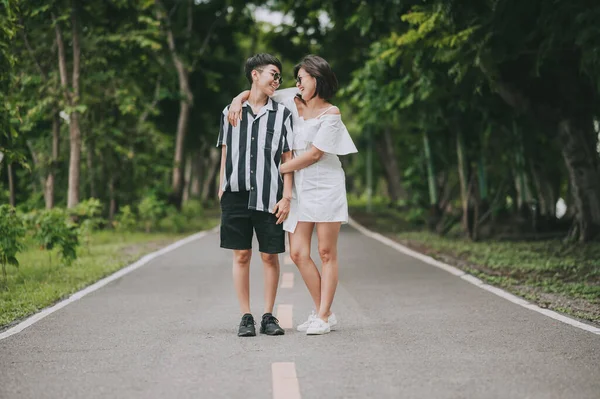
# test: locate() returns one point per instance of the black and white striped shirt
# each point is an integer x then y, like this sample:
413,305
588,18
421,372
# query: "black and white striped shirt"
254,149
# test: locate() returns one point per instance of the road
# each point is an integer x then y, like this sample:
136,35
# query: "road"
406,330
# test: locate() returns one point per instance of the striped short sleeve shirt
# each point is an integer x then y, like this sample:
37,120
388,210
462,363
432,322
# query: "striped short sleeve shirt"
254,149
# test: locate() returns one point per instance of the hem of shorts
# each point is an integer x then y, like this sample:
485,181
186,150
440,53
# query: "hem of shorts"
232,248
276,252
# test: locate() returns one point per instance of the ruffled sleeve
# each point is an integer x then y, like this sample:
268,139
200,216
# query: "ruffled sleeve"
333,137
284,96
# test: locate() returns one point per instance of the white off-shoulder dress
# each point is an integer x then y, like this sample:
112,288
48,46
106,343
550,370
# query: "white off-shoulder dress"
319,191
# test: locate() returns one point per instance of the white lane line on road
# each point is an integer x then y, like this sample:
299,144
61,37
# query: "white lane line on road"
99,284
285,381
473,280
287,280
284,315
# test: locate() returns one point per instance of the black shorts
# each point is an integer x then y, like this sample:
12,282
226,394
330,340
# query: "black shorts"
238,223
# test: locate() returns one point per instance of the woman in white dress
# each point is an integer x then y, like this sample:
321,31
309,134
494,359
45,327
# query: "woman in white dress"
319,194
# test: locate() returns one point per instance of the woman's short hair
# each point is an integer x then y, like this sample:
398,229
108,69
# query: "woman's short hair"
318,68
258,61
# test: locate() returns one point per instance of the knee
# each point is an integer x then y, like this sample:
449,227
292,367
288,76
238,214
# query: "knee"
326,254
299,256
242,257
271,260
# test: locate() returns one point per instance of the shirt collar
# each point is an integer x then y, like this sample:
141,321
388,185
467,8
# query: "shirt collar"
267,107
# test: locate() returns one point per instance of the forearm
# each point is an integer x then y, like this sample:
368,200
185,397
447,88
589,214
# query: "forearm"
288,178
308,158
243,96
222,169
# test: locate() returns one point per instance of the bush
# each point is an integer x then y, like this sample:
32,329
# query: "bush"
150,211
87,213
192,209
12,231
174,221
125,221
88,209
55,229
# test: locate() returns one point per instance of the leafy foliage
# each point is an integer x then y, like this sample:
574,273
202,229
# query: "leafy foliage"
54,229
150,210
12,231
126,221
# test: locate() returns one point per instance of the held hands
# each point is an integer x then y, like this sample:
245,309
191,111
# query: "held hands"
282,209
235,112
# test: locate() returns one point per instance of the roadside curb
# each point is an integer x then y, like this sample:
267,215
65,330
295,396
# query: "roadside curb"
101,283
472,279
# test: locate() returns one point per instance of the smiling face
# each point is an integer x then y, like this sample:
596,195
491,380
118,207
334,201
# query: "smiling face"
267,79
306,84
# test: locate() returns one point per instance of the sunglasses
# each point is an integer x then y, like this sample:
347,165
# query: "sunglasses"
276,76
299,79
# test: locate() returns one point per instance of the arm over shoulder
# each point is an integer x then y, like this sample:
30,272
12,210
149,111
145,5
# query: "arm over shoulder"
283,95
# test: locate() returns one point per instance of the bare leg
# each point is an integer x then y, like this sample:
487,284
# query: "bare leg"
327,234
271,275
241,277
300,254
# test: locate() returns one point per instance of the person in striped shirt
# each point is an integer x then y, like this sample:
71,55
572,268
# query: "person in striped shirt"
253,195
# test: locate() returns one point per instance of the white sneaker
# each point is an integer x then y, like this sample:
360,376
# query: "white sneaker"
318,327
332,320
304,326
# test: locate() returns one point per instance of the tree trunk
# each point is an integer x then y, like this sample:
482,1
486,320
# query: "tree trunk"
577,146
482,179
177,180
197,173
464,182
72,99
187,101
38,167
90,167
387,153
74,161
11,185
546,197
433,192
580,157
187,180
434,210
215,157
112,208
49,186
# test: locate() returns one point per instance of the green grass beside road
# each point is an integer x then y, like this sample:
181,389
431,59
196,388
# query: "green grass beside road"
41,279
555,275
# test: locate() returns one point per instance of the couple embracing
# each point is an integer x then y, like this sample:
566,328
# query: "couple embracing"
280,173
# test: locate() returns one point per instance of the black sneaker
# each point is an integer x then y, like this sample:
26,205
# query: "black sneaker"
247,326
270,325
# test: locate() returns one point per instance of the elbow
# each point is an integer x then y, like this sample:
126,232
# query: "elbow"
316,156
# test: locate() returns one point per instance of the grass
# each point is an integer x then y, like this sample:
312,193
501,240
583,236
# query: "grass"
563,277
40,282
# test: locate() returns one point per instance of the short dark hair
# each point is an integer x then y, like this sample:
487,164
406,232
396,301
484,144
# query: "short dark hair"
260,60
318,68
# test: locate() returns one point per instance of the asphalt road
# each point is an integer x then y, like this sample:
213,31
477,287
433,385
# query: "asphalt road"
406,330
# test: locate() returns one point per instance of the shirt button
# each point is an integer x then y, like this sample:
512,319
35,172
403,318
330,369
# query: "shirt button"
252,138
251,171
251,188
